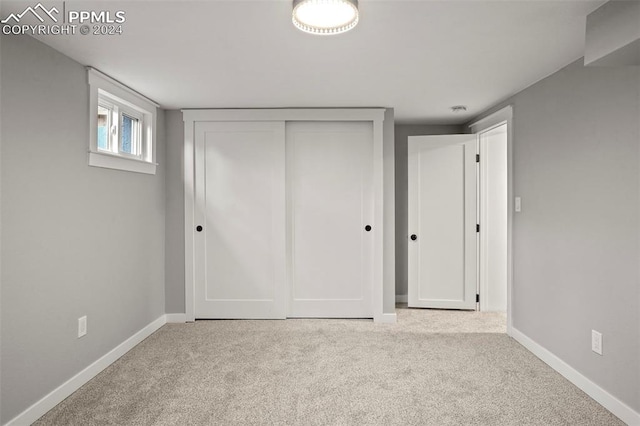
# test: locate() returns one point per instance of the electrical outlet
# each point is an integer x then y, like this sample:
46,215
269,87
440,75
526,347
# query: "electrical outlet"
82,326
596,342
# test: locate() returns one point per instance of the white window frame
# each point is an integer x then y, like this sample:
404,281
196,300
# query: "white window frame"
120,99
117,111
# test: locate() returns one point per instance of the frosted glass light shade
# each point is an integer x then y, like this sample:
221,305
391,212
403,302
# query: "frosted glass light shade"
325,17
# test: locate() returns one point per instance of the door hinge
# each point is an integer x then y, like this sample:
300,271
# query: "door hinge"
477,227
477,298
477,158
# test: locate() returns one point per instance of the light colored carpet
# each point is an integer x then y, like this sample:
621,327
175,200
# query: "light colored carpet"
430,368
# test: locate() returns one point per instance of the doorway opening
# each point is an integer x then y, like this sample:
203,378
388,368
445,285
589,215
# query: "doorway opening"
459,236
495,214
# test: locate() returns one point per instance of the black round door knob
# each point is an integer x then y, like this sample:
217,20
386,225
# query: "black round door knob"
414,237
367,228
199,228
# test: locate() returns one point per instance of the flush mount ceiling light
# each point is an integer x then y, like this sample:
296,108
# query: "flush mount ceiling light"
325,17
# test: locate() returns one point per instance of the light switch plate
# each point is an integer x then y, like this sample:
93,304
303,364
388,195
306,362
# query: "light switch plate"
596,342
518,205
82,326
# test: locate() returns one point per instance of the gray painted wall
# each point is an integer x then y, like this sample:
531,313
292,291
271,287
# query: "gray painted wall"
576,243
402,132
77,240
174,242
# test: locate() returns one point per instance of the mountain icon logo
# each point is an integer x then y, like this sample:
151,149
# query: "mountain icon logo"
38,11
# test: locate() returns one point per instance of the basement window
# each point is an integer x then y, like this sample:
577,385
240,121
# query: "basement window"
122,126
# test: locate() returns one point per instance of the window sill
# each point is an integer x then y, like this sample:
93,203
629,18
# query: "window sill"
108,161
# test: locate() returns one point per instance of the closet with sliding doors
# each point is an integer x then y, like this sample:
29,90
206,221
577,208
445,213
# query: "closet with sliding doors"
283,213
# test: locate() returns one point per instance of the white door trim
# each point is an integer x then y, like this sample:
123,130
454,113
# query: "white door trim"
501,116
374,115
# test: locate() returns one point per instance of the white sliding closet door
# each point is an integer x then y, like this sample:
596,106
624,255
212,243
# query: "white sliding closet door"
330,214
240,205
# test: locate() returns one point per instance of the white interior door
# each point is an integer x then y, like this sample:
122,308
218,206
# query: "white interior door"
442,221
240,204
493,217
330,205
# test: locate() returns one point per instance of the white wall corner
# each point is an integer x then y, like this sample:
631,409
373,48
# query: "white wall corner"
604,398
41,407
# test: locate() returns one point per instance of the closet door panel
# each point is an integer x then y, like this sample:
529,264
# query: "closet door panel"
330,205
241,207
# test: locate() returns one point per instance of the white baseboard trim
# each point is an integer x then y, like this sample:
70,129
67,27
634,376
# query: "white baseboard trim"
56,396
386,319
402,298
176,318
608,401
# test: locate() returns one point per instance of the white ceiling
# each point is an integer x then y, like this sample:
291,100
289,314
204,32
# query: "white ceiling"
420,57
